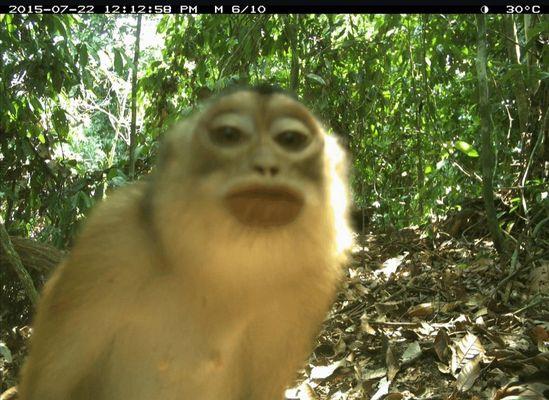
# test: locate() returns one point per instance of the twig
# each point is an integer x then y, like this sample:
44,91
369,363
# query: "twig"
536,303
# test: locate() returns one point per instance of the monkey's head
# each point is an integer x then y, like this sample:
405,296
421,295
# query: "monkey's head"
255,159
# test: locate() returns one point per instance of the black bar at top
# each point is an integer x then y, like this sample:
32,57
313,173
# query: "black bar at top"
276,6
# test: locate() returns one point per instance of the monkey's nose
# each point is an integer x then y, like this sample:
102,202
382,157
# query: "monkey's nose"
264,162
266,170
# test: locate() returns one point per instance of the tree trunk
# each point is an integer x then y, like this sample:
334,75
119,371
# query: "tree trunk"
519,89
418,146
133,133
15,262
487,157
291,31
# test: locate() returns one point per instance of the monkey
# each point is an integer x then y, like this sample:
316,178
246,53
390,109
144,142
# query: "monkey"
210,279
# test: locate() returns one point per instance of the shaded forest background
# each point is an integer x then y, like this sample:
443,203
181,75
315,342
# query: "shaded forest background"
445,118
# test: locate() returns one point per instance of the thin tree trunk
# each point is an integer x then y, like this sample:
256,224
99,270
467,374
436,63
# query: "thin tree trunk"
291,31
519,88
487,157
15,261
133,133
418,146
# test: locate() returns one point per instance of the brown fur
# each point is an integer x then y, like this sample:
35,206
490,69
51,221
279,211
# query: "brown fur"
167,296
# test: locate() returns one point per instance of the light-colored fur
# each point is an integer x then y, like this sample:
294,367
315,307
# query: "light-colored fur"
189,303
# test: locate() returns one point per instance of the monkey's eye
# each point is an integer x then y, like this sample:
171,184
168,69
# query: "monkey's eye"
226,136
292,140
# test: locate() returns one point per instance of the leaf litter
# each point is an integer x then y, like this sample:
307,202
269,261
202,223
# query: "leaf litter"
418,318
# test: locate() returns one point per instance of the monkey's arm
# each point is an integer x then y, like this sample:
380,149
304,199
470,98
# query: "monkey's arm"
67,344
82,307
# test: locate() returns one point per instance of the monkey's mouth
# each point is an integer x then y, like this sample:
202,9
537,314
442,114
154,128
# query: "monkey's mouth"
264,206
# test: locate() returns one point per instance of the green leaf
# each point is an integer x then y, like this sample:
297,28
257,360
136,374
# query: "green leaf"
118,62
112,174
544,75
57,80
466,148
50,25
35,105
59,25
87,77
84,200
155,64
317,78
161,27
83,54
60,122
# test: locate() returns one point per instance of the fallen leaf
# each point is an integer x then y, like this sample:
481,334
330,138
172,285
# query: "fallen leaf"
539,279
442,345
412,352
324,371
5,353
365,326
541,338
466,358
383,389
391,361
369,374
421,310
390,265
468,375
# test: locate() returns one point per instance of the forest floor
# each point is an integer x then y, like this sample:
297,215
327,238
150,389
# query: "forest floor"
415,319
423,320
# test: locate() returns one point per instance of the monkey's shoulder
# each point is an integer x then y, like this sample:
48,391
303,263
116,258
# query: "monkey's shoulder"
122,203
113,233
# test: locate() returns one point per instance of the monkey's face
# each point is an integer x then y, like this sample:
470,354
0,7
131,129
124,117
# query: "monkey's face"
258,157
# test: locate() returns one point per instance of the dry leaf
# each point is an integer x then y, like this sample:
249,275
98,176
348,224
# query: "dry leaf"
10,394
466,358
468,375
467,349
391,361
534,391
539,279
442,345
306,392
412,353
365,326
426,329
390,266
369,374
383,389
324,371
421,310
5,353
541,337
442,367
